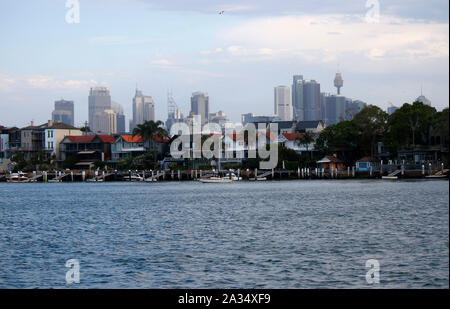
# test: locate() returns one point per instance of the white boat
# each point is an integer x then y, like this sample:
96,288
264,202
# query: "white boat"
17,177
134,177
233,177
95,180
216,180
390,177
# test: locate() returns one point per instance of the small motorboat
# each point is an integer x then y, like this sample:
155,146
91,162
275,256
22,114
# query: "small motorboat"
133,177
390,177
17,177
216,180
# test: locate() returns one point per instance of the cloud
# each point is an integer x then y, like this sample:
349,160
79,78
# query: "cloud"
308,38
12,84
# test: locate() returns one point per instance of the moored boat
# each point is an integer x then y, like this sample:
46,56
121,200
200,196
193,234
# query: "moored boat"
17,177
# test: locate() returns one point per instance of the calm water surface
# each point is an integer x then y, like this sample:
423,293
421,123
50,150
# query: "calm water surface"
290,234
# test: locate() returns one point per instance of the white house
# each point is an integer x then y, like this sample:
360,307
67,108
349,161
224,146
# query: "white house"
55,133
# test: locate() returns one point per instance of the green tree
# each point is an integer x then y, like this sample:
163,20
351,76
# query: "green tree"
371,124
148,130
409,126
305,139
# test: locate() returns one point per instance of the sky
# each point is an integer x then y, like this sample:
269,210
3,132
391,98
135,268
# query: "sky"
238,57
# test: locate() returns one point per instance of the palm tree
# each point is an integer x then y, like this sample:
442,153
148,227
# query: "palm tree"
305,139
148,130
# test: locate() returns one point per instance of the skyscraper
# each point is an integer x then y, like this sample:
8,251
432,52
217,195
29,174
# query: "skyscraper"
282,102
63,112
143,109
334,106
311,100
106,122
200,105
99,101
297,97
306,99
118,109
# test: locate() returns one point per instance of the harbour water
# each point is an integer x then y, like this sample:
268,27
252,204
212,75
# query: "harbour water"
280,234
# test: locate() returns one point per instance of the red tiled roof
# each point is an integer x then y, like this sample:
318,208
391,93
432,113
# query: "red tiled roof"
132,139
107,138
81,139
160,139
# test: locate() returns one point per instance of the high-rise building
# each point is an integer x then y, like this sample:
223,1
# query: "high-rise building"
282,102
200,105
334,106
64,112
143,109
306,99
297,97
99,101
106,122
311,100
118,109
245,118
173,112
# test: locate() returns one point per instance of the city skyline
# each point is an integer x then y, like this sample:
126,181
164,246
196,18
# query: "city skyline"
230,56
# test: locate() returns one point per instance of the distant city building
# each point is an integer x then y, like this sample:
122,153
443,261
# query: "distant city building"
334,107
423,100
297,98
245,118
353,107
106,122
174,114
219,117
306,99
282,102
118,109
64,112
143,109
200,105
338,82
99,102
391,109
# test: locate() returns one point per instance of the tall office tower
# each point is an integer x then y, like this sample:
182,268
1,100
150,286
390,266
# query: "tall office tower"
106,122
297,97
338,82
200,105
282,102
143,109
335,108
63,112
99,101
118,109
173,112
311,101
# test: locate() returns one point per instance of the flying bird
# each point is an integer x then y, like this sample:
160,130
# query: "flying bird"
221,12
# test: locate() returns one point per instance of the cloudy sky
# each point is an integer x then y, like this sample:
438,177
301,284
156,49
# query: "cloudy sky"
237,57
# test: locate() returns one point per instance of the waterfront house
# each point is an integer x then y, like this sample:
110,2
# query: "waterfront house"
127,146
87,148
366,163
32,141
292,141
330,163
54,134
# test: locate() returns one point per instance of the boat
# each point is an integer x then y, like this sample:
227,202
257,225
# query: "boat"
215,180
233,177
436,176
390,177
17,177
95,180
133,177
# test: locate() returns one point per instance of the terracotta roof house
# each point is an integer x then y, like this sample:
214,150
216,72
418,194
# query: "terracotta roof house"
330,162
88,148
